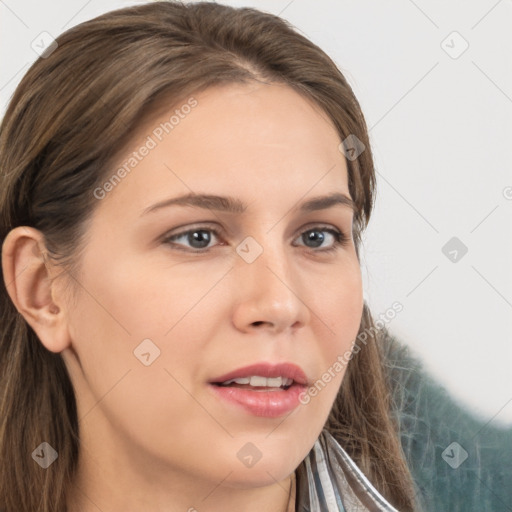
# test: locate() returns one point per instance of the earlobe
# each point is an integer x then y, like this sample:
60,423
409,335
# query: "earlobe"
28,279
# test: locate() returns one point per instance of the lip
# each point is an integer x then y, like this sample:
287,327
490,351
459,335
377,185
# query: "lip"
267,404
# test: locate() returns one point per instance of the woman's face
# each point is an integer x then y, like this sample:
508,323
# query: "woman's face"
172,299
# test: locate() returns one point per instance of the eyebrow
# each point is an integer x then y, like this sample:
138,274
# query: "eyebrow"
234,205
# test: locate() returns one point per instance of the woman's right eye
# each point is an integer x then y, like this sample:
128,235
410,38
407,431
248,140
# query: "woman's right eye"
198,236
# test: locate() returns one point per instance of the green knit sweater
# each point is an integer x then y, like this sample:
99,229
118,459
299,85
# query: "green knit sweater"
474,474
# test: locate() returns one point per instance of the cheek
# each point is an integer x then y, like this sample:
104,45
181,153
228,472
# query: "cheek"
151,298
114,389
125,318
340,306
128,309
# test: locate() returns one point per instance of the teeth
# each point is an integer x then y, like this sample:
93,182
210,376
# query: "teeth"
276,382
241,380
257,381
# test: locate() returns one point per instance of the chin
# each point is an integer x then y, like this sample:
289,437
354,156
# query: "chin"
261,474
266,462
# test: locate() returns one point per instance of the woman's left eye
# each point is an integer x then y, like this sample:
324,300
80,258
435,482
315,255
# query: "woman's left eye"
311,235
200,238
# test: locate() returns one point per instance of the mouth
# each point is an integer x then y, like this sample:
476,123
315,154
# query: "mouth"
258,383
263,389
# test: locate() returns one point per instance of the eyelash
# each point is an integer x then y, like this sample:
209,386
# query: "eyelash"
340,239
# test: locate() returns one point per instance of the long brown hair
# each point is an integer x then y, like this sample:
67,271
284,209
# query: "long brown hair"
72,113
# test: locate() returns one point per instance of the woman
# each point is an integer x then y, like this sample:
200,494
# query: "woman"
184,189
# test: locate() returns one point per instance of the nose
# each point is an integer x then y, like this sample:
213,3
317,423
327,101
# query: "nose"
269,293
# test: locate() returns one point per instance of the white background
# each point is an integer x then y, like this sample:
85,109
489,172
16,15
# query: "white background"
441,132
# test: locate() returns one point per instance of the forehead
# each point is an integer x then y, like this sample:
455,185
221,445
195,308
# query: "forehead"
252,140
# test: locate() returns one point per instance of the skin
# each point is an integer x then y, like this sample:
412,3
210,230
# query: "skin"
155,437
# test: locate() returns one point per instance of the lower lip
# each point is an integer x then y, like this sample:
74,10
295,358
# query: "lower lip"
267,404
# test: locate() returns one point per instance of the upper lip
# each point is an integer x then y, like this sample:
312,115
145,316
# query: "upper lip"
288,370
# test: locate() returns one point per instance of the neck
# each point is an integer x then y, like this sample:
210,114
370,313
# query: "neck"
96,488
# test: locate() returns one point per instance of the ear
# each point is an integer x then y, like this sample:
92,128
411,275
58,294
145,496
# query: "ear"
29,279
